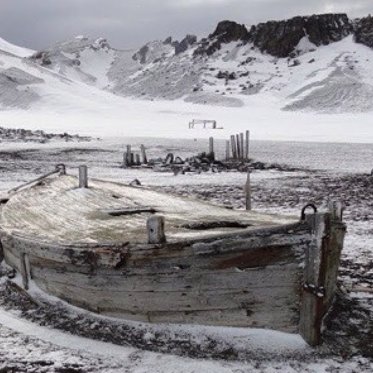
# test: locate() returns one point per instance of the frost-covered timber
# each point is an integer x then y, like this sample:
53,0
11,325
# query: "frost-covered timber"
90,246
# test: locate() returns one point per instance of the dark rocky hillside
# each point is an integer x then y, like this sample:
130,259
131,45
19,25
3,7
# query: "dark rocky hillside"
364,31
279,38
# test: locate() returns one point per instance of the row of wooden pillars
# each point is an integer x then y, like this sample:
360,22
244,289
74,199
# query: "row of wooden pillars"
130,158
238,147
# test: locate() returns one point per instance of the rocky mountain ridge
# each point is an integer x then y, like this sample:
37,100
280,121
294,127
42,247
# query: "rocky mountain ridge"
279,38
316,63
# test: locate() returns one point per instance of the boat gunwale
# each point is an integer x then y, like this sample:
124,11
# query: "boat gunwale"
236,235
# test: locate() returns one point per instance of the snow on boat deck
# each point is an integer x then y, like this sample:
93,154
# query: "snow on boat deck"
57,210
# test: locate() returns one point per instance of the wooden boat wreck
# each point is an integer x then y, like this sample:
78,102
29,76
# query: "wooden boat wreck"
131,252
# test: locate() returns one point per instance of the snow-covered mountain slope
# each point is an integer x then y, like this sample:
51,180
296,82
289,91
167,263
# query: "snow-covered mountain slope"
13,49
319,64
315,65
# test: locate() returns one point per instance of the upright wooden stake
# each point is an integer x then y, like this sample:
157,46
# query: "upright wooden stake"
211,147
129,161
143,154
83,177
227,150
155,227
125,160
241,145
248,191
320,272
238,146
247,145
24,271
137,157
234,149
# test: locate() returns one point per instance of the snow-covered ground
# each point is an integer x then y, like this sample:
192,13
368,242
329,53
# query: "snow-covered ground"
27,345
326,100
86,90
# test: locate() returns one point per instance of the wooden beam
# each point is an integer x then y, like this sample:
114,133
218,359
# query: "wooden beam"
234,148
242,146
125,160
320,273
211,147
248,191
129,161
143,154
247,145
83,176
227,146
238,146
24,271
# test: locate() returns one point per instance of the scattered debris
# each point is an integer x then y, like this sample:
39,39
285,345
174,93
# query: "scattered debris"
38,136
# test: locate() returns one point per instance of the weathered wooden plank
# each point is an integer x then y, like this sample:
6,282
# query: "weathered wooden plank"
24,270
131,263
248,191
76,216
321,267
247,144
238,144
232,317
332,254
234,147
295,236
83,176
143,154
129,155
242,146
227,150
261,306
309,316
266,277
211,147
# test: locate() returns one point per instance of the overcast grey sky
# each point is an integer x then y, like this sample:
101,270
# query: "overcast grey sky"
131,23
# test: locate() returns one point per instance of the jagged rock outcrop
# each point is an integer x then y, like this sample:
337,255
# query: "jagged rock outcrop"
141,54
226,32
182,46
168,40
364,31
68,52
279,38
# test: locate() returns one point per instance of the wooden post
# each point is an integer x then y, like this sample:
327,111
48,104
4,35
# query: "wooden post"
247,145
83,177
241,146
155,227
143,154
234,149
238,146
24,271
336,209
320,273
137,157
125,160
211,147
227,150
129,163
248,191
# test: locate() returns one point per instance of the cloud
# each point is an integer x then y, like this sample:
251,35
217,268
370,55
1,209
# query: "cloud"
131,23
